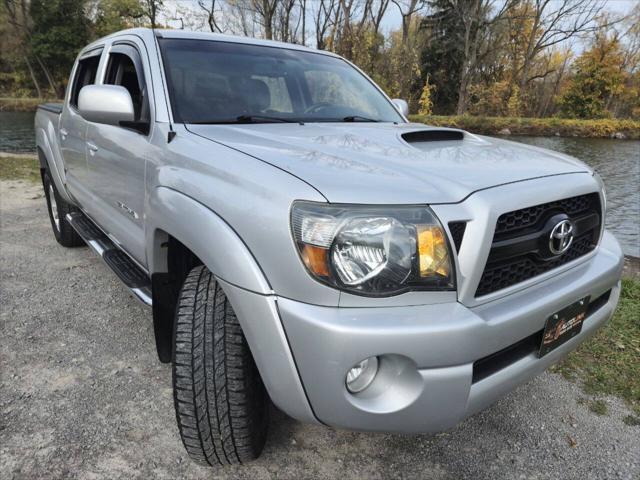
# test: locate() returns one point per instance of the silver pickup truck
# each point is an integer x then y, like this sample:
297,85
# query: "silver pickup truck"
300,242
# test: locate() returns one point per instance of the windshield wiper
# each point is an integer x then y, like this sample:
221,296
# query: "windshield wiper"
244,119
358,118
259,118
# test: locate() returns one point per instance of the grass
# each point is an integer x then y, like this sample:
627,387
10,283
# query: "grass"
632,421
19,168
609,362
564,127
599,407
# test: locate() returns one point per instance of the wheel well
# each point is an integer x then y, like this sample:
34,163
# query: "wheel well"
177,261
42,158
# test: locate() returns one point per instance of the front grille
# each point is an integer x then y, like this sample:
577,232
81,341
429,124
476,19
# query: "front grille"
525,230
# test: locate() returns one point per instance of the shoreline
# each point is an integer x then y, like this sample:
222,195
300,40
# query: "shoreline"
619,129
26,155
24,105
631,267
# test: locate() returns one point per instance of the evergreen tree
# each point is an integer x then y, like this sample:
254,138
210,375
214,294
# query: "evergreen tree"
440,58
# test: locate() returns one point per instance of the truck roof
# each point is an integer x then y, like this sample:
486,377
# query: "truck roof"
187,34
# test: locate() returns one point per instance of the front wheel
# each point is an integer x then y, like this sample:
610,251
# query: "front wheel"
221,403
58,209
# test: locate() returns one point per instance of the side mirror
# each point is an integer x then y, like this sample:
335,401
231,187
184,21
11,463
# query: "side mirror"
109,104
401,105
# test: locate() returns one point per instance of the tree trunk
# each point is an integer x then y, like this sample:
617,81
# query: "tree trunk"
462,92
304,22
33,76
268,29
47,74
530,54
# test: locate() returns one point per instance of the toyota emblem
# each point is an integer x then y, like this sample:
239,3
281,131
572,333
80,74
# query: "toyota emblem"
561,237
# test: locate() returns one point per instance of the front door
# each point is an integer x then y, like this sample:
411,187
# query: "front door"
117,155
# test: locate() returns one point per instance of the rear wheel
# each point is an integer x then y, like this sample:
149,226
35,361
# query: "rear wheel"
58,209
221,403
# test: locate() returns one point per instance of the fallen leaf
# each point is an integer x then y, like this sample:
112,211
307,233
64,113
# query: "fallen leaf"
572,441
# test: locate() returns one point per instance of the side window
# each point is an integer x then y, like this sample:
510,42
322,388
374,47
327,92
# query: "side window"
85,75
121,70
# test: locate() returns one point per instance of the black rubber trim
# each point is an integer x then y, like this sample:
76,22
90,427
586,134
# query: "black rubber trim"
420,136
51,107
487,366
457,230
87,229
130,274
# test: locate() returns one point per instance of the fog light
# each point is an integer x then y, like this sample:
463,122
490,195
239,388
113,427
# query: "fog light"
362,374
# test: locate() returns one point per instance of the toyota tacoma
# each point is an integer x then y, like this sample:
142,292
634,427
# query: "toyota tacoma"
300,242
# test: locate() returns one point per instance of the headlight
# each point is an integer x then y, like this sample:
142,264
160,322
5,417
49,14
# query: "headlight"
373,250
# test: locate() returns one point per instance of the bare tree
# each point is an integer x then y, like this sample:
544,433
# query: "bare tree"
408,8
323,21
377,11
560,74
265,10
554,22
209,7
282,20
303,15
478,19
151,9
343,27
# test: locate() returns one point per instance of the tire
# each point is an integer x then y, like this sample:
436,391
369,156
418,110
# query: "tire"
58,209
222,407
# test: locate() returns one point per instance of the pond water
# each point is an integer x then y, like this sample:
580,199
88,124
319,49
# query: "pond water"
617,161
16,132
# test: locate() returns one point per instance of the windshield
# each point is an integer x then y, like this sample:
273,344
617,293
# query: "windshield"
222,82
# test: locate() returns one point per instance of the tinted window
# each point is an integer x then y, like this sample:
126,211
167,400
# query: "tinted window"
85,75
218,82
122,71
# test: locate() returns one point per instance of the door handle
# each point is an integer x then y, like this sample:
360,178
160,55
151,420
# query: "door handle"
63,133
92,148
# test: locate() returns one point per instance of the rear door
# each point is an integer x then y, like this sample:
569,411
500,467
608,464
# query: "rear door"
117,154
73,127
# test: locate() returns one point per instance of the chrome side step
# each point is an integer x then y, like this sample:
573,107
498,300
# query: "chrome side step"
135,279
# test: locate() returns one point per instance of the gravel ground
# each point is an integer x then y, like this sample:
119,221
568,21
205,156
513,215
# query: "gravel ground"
83,396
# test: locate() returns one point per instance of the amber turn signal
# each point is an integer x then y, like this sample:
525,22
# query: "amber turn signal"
433,251
315,258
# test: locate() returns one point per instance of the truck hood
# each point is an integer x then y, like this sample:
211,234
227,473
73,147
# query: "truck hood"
378,163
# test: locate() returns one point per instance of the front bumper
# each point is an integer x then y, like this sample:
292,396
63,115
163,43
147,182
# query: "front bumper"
425,382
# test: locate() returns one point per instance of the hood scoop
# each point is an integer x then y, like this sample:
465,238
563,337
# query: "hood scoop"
421,136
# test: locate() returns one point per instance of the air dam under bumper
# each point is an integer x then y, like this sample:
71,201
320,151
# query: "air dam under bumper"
428,352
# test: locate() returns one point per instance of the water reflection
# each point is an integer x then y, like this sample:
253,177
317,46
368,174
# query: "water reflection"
16,132
618,163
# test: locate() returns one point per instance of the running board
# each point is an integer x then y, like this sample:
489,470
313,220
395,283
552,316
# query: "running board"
135,279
